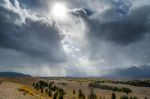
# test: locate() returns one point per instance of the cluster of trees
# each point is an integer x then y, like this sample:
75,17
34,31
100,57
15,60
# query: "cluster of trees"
81,94
142,83
126,97
49,89
63,83
108,87
59,94
103,81
92,95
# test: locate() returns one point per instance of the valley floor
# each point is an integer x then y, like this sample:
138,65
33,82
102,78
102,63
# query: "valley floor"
22,88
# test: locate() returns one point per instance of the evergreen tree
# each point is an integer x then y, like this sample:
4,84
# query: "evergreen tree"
113,96
55,95
50,93
145,97
81,95
92,95
74,91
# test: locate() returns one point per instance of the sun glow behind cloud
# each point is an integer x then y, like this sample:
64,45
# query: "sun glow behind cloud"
59,11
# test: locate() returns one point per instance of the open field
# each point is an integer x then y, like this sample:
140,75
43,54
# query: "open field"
25,88
82,84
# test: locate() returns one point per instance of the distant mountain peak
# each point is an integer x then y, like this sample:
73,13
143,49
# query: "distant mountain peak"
133,71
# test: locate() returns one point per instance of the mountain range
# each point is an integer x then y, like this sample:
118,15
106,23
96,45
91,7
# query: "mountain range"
133,71
13,74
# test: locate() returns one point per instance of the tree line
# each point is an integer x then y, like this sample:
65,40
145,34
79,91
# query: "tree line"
108,87
142,83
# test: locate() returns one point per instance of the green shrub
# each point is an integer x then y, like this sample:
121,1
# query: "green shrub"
33,84
126,90
124,97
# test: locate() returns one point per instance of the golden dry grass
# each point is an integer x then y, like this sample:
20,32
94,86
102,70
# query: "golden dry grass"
21,80
26,90
23,85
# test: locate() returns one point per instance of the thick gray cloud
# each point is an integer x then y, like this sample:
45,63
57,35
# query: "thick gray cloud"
33,37
117,25
125,30
117,36
96,36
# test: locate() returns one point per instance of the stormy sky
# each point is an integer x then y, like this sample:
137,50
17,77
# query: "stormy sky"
73,37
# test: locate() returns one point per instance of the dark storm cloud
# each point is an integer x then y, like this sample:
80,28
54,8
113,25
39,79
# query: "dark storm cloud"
125,30
31,4
119,25
35,38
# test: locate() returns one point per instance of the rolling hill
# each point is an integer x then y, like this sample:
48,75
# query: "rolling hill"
13,74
